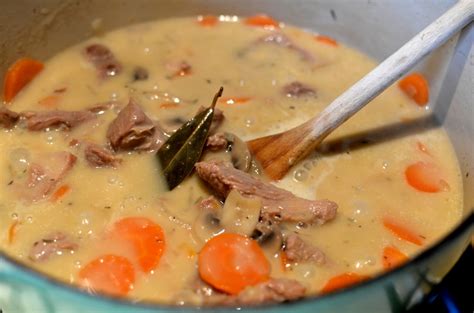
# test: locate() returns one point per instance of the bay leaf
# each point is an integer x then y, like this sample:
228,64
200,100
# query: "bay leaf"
183,149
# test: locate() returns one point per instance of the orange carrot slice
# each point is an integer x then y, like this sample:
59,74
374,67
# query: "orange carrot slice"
110,274
326,40
234,100
208,20
49,101
19,75
392,257
60,193
343,281
145,237
283,261
425,177
231,262
416,87
12,230
261,20
402,232
169,105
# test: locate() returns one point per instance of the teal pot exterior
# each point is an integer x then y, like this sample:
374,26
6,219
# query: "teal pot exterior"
42,28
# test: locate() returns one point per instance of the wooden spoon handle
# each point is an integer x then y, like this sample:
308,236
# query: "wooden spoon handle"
279,152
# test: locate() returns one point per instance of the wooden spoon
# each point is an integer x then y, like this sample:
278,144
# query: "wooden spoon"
278,153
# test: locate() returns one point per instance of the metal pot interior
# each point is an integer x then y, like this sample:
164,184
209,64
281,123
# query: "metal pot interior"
30,28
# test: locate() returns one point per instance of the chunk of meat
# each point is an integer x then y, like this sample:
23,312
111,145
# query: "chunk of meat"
278,204
299,251
274,290
297,90
103,59
54,243
284,41
134,130
217,142
8,118
37,121
100,108
98,156
44,174
179,69
217,119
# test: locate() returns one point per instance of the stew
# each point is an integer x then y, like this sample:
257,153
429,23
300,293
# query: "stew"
94,140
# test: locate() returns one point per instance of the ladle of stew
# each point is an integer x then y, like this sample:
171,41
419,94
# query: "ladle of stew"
279,152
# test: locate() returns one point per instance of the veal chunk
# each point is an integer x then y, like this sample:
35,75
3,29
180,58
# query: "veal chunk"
103,59
217,119
278,204
37,121
44,174
98,156
297,89
8,118
54,243
299,251
133,130
284,41
272,291
217,142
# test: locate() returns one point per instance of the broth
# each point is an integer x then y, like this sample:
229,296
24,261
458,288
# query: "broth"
183,63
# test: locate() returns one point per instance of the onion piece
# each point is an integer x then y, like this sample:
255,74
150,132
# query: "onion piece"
240,214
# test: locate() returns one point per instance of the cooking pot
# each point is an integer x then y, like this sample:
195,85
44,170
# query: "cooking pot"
40,29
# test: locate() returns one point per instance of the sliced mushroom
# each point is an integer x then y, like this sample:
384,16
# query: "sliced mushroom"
239,152
207,224
240,214
234,147
268,234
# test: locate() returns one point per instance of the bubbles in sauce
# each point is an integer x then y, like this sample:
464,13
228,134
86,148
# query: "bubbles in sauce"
366,181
